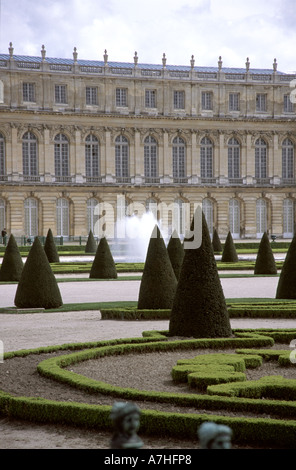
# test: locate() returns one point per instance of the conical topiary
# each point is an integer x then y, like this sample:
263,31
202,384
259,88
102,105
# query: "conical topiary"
176,253
265,262
229,254
51,249
158,284
286,288
103,266
37,287
217,247
199,309
12,263
91,245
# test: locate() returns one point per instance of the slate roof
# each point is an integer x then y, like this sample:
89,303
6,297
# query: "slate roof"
127,65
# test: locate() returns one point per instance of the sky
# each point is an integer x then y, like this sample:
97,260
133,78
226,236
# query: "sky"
234,29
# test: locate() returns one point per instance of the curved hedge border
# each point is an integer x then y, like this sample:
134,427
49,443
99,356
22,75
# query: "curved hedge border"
279,432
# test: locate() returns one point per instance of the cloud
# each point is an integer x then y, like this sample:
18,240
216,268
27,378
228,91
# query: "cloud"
235,29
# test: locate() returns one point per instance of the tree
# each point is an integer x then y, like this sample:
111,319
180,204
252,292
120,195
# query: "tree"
91,245
217,247
103,266
265,262
229,254
37,287
176,253
158,284
12,263
286,288
199,309
50,248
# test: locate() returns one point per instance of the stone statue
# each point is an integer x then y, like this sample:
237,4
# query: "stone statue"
214,436
126,420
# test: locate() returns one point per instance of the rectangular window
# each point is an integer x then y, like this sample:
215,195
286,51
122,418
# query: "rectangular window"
234,101
150,99
179,100
61,94
288,105
91,95
121,97
29,92
261,102
207,100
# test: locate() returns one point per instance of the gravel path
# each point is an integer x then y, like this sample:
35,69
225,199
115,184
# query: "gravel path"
34,330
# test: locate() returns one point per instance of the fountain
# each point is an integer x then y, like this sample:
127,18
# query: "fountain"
134,234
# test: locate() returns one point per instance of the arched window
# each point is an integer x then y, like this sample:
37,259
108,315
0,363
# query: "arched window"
62,217
30,165
92,164
288,161
233,159
92,216
2,214
234,218
261,159
2,156
208,210
206,158
121,157
61,157
288,218
150,158
179,158
261,217
31,217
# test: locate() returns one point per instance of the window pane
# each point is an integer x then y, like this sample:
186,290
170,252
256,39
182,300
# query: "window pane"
234,101
288,105
62,218
29,92
233,159
31,217
206,158
91,96
179,100
234,217
179,170
150,158
260,159
92,157
207,100
261,210
121,157
261,102
121,97
61,153
288,159
29,154
150,99
60,94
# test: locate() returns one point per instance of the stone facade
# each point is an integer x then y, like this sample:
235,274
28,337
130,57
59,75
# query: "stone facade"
79,137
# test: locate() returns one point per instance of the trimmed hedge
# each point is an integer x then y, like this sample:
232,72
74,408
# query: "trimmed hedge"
264,309
268,431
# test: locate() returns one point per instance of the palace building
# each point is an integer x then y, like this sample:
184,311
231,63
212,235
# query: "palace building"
78,136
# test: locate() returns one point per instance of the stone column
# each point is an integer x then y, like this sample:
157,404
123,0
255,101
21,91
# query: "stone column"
109,158
79,157
49,170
